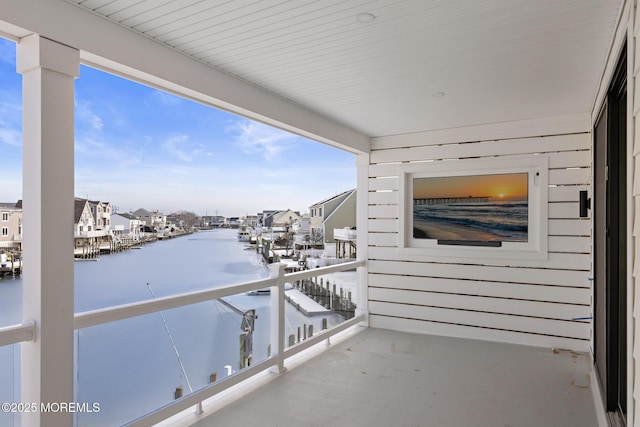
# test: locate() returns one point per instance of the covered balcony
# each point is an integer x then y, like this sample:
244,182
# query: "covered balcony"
534,327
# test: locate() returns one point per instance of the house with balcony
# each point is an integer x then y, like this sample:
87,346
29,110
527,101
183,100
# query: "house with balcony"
86,235
337,212
102,214
155,219
532,322
131,226
10,225
93,231
84,220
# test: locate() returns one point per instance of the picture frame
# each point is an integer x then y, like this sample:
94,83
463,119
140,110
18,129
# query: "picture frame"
475,208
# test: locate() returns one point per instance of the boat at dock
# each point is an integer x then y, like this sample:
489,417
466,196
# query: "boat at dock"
244,234
10,263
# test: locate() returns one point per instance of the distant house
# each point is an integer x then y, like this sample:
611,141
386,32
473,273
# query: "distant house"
280,218
335,212
153,219
102,214
302,230
212,221
284,218
174,222
251,220
10,225
263,217
84,222
131,225
303,225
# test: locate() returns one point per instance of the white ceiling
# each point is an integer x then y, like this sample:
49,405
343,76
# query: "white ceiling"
494,60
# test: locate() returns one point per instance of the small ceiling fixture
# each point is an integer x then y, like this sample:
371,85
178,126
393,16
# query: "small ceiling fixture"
365,18
438,94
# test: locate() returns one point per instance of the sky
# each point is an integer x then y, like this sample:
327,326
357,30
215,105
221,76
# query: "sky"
497,186
138,147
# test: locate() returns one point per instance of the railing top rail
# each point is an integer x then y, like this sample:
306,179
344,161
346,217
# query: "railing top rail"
306,274
111,314
17,333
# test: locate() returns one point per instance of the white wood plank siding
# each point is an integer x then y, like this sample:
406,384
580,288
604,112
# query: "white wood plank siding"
544,303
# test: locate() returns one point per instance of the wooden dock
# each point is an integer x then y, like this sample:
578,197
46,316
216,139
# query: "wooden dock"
327,296
304,304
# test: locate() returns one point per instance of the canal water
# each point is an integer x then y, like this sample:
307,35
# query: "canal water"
133,366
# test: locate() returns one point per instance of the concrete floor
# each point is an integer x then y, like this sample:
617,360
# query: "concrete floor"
385,378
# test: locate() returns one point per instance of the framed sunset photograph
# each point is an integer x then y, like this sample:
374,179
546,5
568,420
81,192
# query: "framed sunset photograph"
481,208
492,207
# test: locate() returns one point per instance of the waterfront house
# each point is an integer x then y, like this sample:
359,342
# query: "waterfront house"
250,220
86,235
154,219
173,223
102,214
334,212
130,225
84,219
233,222
302,226
212,221
262,216
279,219
416,90
10,225
283,219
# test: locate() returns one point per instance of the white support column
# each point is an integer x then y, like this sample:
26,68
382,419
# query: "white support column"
48,69
362,227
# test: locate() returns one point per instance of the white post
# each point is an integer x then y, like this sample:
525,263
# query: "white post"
276,306
362,229
48,69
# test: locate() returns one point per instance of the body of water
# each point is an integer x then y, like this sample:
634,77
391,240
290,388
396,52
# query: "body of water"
507,221
133,366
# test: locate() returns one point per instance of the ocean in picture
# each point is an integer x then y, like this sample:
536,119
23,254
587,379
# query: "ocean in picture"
493,220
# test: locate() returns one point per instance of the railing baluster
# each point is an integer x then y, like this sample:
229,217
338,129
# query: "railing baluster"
277,316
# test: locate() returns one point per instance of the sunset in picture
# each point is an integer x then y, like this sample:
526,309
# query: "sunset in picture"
491,207
511,186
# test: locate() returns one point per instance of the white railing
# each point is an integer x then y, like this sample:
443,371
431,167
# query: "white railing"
15,334
276,281
344,234
89,234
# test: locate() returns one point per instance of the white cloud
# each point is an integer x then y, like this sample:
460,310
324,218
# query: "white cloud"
256,138
178,146
85,115
10,136
10,122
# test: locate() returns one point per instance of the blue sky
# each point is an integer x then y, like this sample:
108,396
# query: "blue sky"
140,147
